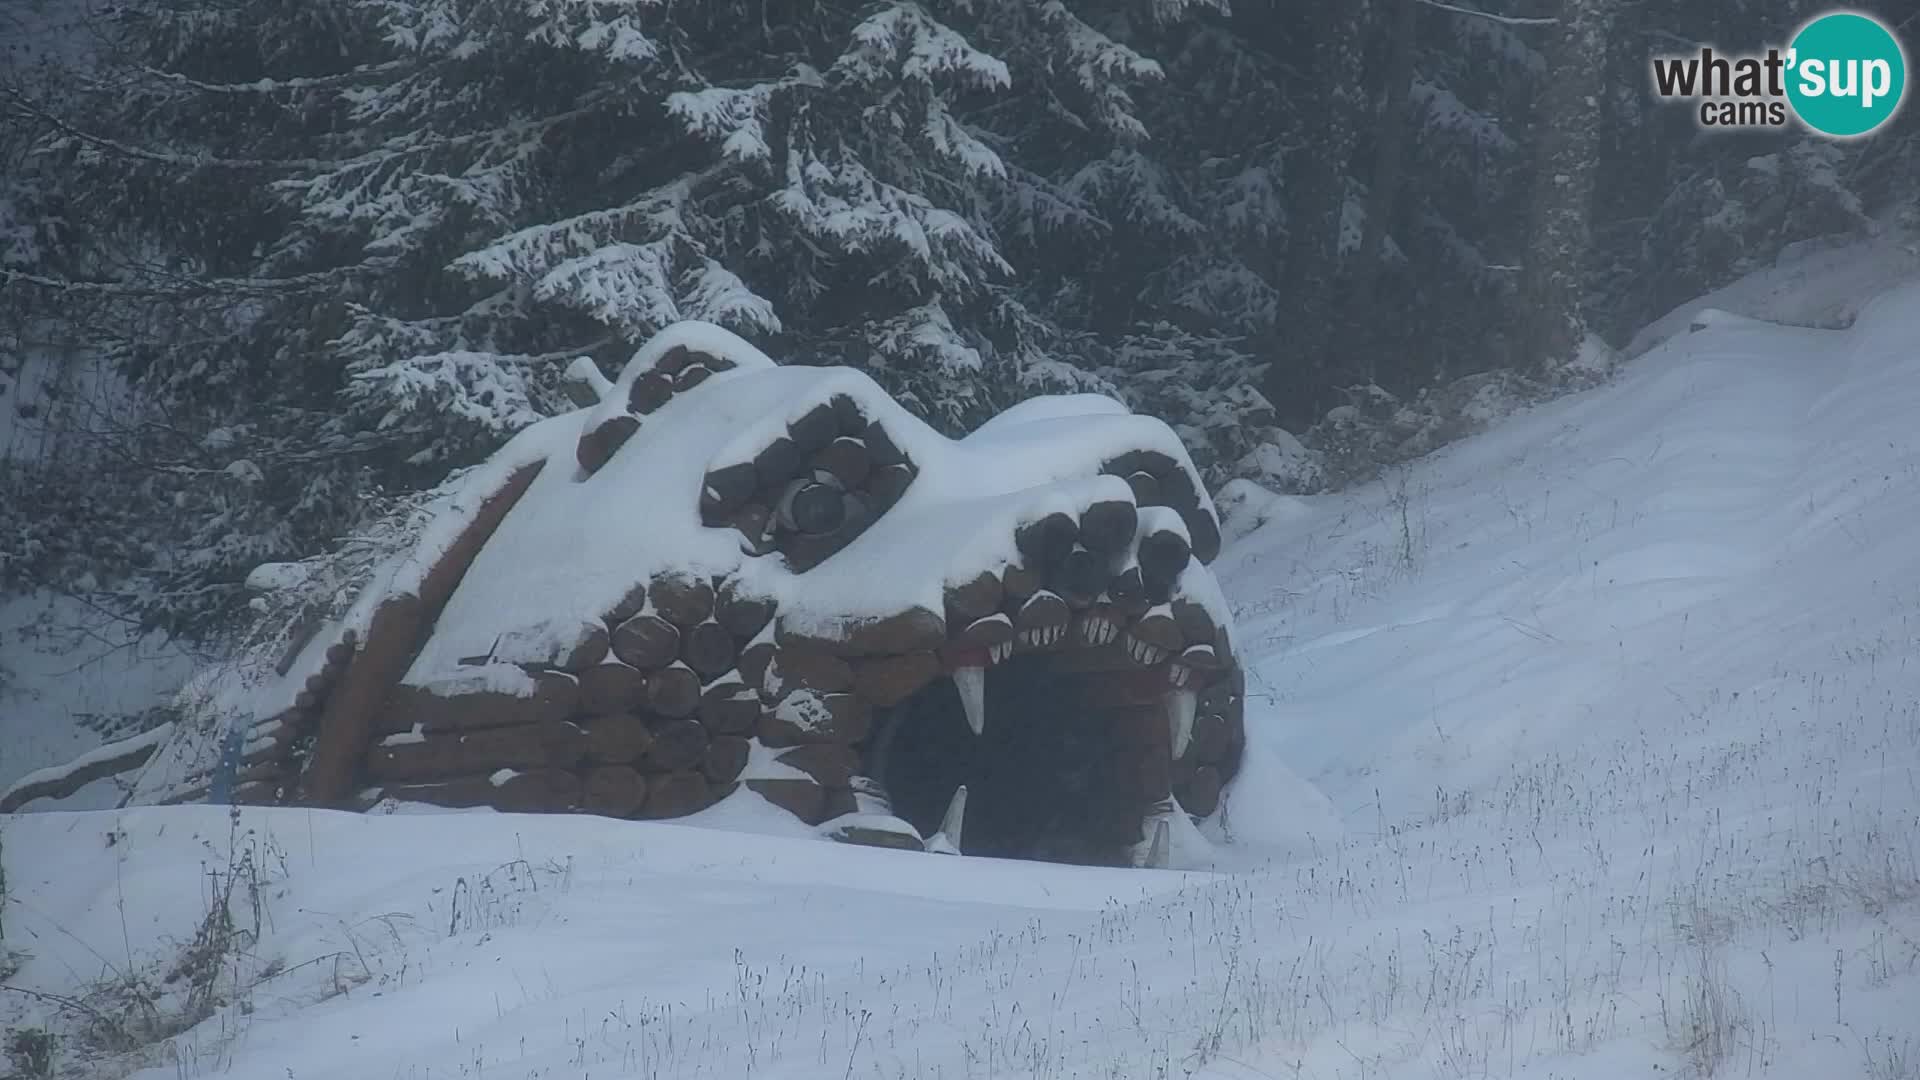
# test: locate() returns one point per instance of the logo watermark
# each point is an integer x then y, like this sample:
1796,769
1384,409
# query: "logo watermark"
1843,75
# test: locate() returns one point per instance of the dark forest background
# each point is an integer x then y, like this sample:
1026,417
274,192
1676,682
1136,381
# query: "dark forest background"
271,265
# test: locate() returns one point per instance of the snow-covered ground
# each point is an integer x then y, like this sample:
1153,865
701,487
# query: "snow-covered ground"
1609,721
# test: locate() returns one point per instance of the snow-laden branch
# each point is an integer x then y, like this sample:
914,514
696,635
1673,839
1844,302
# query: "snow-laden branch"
268,86
201,286
26,110
1509,20
61,781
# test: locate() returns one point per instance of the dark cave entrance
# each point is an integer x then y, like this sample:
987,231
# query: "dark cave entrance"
1040,778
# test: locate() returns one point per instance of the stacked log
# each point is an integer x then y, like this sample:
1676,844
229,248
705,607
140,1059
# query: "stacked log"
266,768
372,666
1158,480
271,748
645,712
661,727
677,370
810,491
654,709
1219,742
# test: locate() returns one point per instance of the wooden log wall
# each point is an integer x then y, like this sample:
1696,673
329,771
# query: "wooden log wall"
813,490
652,711
653,726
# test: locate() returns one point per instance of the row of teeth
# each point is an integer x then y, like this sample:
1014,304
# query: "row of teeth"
1145,652
1154,850
1042,636
1099,630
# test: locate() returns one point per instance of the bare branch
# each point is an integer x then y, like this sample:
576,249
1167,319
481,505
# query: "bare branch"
269,86
1509,20
202,286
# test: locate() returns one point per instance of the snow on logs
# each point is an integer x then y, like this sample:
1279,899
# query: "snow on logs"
812,488
1158,480
642,714
689,684
361,669
656,709
666,720
678,369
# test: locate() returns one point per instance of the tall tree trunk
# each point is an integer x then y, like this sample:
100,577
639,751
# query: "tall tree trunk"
1567,156
1383,187
1299,380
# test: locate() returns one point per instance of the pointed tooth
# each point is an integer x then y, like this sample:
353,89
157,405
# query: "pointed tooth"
1180,708
1155,654
956,814
947,840
972,683
1159,848
1177,675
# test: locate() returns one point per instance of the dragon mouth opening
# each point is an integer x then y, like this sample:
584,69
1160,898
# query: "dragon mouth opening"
1053,775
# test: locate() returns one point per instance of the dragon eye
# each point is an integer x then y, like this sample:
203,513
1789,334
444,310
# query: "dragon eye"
811,507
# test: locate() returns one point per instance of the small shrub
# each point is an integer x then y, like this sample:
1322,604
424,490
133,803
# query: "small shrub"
31,1050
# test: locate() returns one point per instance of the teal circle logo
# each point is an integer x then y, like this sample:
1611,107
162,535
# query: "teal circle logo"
1846,74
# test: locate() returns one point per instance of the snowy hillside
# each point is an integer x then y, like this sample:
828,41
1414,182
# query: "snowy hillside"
1610,728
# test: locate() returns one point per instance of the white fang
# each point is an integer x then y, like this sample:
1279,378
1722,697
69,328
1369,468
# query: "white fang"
972,684
1180,708
947,840
1159,849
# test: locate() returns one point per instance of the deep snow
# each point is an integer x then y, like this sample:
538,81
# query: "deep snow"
1610,727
